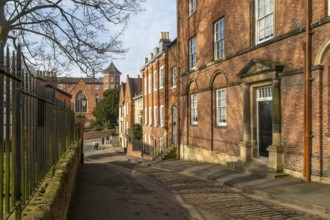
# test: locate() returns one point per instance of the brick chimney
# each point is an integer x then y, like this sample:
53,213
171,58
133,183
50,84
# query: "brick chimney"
164,40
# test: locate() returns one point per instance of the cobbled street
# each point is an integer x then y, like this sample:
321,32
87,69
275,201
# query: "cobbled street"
133,190
221,201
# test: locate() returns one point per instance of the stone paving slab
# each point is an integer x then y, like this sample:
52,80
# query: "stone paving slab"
315,196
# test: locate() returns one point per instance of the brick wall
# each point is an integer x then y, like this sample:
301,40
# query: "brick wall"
98,134
240,48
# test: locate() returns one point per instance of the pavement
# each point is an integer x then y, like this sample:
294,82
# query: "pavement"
313,196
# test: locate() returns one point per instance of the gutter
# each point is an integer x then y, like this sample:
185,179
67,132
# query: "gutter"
307,101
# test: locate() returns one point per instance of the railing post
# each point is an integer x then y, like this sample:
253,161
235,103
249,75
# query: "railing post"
19,156
1,126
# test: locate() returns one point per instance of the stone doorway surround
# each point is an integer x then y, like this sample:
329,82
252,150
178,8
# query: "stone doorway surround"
258,73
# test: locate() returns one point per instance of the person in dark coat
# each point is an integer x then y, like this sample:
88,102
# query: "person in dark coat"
102,140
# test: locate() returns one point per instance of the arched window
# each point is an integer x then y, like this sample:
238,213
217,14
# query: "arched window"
81,102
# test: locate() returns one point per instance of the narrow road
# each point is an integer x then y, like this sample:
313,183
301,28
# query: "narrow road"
109,186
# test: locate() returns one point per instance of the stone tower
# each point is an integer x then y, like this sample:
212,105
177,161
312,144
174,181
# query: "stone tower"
111,77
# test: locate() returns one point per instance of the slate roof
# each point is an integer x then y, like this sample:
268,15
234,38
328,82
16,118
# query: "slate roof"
76,80
136,86
124,88
111,69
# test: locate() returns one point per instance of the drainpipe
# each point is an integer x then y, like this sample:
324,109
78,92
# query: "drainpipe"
307,107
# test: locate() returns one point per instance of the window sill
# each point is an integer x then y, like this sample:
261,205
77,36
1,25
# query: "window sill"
191,14
264,41
218,60
221,126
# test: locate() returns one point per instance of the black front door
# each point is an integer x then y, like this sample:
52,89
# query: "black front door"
265,109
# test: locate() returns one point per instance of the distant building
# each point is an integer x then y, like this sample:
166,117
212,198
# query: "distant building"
87,92
111,76
130,107
159,75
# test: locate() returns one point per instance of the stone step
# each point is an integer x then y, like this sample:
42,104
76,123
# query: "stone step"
258,167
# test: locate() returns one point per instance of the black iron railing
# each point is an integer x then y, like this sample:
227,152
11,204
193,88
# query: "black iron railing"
35,131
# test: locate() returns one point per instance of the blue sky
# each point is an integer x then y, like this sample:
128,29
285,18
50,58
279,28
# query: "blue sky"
143,33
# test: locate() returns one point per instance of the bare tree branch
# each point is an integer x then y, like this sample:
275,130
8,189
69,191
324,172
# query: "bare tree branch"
71,32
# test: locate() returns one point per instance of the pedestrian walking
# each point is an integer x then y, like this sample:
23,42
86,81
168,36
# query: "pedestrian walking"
102,140
96,145
110,139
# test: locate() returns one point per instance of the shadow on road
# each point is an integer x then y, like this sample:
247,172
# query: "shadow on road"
101,155
107,187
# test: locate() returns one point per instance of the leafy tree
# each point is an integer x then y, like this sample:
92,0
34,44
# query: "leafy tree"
106,111
136,132
67,31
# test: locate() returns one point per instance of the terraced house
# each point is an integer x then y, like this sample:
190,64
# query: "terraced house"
253,81
130,110
160,97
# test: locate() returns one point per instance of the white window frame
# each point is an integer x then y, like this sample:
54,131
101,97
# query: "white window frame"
261,19
161,145
60,86
97,98
126,109
221,105
155,115
192,6
328,7
219,39
149,83
174,76
194,109
97,87
162,115
145,116
161,77
89,86
150,116
139,119
155,80
192,53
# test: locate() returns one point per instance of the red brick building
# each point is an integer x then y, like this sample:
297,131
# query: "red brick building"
241,68
111,77
87,92
89,89
159,97
130,92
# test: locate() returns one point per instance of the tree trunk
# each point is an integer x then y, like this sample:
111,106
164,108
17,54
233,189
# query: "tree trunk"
4,27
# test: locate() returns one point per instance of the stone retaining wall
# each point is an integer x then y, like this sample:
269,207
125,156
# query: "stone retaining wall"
52,200
98,134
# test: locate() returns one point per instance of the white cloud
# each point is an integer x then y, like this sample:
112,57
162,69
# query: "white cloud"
143,33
